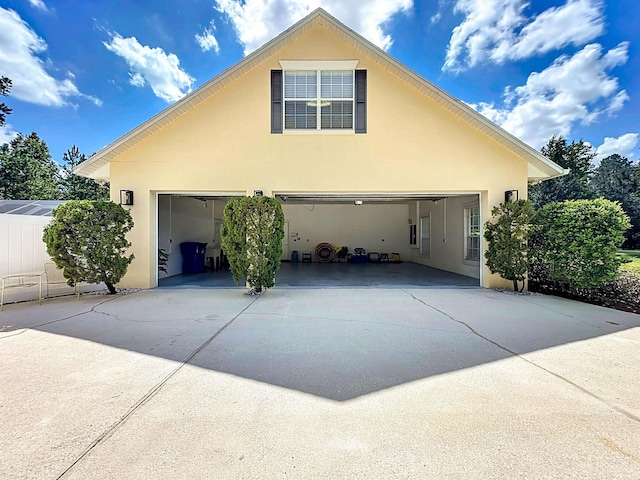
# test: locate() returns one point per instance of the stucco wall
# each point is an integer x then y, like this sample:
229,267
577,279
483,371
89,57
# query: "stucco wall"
413,144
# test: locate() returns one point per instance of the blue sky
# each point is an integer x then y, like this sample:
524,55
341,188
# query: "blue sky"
85,73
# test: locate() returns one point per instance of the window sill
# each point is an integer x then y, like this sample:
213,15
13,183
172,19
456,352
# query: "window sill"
320,132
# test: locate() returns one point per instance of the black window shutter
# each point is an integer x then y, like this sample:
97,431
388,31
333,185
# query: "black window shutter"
361,101
276,101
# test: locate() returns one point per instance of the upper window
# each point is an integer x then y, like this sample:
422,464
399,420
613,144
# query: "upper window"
318,99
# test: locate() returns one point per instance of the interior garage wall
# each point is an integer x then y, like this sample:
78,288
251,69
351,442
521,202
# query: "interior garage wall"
447,235
186,219
374,227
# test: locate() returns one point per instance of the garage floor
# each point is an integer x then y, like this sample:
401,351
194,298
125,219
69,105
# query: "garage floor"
335,275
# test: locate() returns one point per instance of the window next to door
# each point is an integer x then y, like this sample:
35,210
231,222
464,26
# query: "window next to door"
425,235
472,233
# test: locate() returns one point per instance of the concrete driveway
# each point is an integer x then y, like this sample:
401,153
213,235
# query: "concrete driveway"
319,383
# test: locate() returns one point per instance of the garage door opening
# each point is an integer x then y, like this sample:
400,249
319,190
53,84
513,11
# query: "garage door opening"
441,231
376,240
188,233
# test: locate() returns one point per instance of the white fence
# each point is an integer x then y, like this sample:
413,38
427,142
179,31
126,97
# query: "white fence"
23,251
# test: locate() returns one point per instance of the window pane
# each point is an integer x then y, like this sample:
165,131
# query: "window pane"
300,115
337,114
472,233
336,83
300,84
425,234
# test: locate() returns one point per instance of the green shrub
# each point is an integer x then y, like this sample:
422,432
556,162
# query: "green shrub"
576,243
622,293
508,236
252,239
86,240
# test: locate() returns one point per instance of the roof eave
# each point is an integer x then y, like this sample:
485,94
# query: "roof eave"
95,165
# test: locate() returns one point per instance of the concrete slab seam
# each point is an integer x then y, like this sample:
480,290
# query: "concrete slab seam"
151,393
622,411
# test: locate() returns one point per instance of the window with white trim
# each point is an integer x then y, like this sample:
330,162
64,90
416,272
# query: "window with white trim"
318,99
425,235
472,233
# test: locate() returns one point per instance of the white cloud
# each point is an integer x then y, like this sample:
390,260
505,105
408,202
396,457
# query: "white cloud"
152,66
7,133
39,4
624,145
572,90
499,30
20,50
257,21
207,40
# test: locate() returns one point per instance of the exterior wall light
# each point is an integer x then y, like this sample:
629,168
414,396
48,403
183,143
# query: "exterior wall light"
126,197
510,196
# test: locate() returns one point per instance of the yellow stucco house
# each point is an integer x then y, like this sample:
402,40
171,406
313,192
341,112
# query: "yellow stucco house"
360,150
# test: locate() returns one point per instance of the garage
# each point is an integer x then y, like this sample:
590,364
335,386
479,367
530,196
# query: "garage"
381,239
361,152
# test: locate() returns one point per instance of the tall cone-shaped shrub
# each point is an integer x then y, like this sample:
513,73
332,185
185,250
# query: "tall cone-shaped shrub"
252,240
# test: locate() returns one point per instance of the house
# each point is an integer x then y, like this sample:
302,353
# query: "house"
360,150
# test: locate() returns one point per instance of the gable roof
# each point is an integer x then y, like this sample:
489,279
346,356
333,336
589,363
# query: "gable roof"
539,166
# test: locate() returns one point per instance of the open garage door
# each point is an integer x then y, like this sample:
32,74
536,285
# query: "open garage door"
426,239
422,239
188,232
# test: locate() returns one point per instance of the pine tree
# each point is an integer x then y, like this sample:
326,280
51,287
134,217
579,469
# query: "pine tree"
75,187
27,171
577,157
5,88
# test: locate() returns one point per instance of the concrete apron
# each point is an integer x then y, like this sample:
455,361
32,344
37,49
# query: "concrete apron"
384,383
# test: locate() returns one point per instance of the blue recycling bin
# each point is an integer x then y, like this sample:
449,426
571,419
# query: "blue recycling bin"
193,256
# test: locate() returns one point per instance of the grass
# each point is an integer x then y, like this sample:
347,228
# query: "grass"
633,261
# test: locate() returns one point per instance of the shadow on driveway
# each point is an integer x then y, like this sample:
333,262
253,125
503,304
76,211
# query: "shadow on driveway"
336,344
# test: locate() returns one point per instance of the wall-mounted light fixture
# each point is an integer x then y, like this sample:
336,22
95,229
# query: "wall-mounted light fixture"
126,197
257,193
510,196
357,202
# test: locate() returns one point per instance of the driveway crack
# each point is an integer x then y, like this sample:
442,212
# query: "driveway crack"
580,388
151,393
79,314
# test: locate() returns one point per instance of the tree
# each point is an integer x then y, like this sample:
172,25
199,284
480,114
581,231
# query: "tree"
576,242
86,240
252,233
615,179
27,171
577,157
5,88
75,187
508,239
